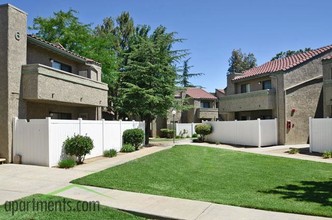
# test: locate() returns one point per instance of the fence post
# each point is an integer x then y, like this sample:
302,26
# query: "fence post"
49,141
133,123
259,132
310,134
103,134
192,128
14,135
120,124
80,126
276,131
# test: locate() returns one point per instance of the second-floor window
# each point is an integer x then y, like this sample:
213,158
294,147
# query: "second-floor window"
61,66
245,88
267,84
205,104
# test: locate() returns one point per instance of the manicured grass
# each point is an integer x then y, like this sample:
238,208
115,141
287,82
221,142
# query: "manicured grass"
226,177
25,210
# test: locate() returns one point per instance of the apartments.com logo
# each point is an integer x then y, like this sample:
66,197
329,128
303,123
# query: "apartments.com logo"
62,205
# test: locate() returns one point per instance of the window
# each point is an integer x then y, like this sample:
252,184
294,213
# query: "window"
205,104
267,84
245,88
60,115
61,66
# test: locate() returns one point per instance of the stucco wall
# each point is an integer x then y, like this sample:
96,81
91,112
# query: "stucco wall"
327,88
12,21
255,84
43,83
42,110
304,94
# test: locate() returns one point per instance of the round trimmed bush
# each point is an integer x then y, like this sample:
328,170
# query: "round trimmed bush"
135,137
203,129
78,146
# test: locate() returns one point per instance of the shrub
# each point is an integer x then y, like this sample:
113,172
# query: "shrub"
178,137
127,148
166,133
78,146
293,151
135,137
327,154
203,129
67,163
110,153
194,135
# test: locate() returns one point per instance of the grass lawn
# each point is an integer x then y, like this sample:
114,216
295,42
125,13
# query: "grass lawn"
225,177
28,213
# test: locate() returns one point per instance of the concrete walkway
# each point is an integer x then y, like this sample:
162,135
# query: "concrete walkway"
153,206
18,181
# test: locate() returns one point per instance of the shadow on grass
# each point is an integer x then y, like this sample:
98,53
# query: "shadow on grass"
306,191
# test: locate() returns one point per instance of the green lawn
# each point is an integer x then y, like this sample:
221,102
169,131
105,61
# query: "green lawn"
226,177
25,208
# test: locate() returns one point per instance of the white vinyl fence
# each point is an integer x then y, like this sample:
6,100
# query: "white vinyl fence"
320,134
250,133
185,129
40,141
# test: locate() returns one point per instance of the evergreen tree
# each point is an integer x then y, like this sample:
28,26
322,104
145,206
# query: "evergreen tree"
239,62
183,78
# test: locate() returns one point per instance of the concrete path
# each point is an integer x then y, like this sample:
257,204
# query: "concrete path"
279,151
17,181
153,206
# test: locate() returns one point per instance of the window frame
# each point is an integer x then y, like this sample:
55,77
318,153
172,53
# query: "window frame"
62,66
266,81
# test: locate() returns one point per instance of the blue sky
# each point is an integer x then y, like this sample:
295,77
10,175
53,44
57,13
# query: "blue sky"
212,28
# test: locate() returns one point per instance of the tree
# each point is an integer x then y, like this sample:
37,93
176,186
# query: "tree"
183,78
239,62
64,28
284,54
149,78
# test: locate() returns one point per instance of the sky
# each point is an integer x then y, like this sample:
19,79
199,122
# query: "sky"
211,28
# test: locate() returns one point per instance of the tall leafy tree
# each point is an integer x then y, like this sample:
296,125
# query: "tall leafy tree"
149,78
239,62
65,28
184,77
288,53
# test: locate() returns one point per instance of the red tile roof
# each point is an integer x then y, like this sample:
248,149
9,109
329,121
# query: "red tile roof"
60,47
284,63
198,93
328,58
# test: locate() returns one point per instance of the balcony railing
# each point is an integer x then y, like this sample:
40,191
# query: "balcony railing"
257,100
43,83
207,113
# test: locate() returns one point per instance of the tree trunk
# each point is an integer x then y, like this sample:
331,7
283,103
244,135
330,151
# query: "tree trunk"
147,129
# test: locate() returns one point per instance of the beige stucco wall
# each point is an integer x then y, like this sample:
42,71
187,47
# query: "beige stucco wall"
40,55
255,84
42,110
12,57
258,100
47,84
327,88
303,87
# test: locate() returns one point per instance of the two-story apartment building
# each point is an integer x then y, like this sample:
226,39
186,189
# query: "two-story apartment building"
327,86
289,89
41,79
204,106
